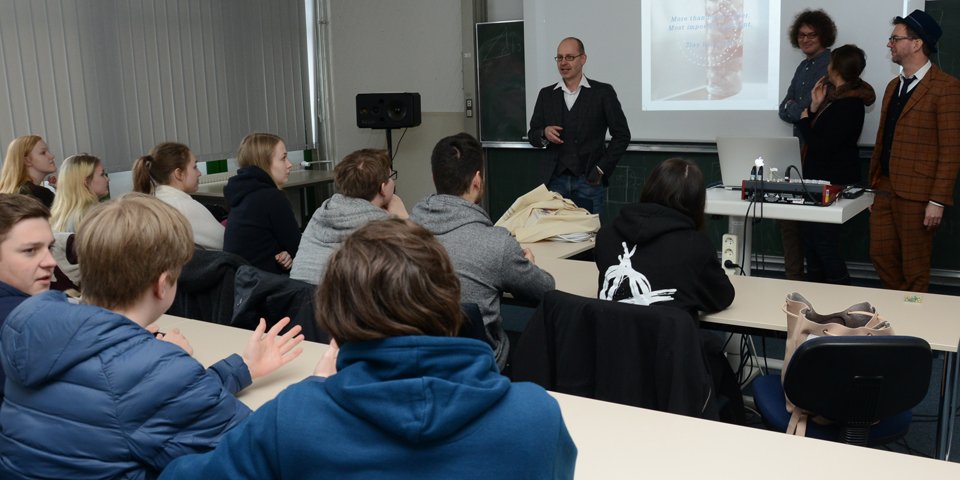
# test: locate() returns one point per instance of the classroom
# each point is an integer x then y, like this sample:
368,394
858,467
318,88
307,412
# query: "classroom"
117,87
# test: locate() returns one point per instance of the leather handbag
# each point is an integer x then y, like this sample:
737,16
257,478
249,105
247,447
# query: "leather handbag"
803,322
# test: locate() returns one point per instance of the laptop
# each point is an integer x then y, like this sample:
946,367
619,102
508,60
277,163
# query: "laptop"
737,155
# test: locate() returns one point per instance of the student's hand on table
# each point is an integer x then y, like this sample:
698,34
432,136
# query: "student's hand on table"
284,259
528,254
266,352
552,134
932,216
173,336
327,366
395,207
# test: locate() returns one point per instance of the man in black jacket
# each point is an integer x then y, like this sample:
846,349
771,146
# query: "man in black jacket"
570,120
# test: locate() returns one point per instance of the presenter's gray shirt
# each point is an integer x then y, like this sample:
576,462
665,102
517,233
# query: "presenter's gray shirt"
488,260
329,226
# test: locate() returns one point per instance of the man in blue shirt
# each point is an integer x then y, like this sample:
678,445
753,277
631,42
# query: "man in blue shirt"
813,32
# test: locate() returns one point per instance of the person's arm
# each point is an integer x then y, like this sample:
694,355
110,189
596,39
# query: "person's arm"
249,451
714,290
207,231
948,144
537,124
284,223
790,107
619,132
520,276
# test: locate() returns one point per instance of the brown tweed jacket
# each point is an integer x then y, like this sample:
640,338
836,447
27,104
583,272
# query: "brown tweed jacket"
925,155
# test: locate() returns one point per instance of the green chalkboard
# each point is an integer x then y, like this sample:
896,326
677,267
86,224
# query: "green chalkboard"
500,76
947,14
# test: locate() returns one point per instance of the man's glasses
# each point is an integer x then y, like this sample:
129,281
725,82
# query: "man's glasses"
569,58
393,175
802,35
897,38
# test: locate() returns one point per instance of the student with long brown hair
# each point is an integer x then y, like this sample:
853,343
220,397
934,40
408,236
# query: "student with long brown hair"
170,173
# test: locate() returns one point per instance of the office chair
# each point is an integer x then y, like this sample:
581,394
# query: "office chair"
865,385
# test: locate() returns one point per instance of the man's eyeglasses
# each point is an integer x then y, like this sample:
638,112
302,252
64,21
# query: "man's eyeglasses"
393,175
569,58
811,35
897,38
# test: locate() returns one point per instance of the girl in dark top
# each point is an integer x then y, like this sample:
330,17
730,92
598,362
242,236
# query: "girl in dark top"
831,127
261,226
663,240
28,162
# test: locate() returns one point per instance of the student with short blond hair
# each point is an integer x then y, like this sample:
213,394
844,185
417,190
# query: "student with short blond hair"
93,391
365,184
261,226
404,397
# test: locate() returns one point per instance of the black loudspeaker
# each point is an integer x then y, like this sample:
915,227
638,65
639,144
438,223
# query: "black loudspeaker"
388,110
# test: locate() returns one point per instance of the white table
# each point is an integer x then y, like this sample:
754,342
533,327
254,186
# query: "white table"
618,441
721,201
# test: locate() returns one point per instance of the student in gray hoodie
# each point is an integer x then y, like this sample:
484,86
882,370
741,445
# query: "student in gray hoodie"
488,260
365,182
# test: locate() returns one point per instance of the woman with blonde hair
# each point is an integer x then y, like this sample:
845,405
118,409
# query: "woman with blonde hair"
170,172
261,226
28,162
83,182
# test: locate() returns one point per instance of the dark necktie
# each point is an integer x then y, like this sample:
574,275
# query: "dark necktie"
906,85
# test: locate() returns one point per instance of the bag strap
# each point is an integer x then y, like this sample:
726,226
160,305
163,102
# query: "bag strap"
798,423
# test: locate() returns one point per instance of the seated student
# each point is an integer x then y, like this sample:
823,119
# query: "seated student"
487,259
365,183
261,225
82,184
661,241
28,161
406,398
91,390
26,265
170,172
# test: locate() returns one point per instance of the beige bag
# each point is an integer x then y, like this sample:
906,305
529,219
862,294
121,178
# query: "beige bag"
541,214
804,322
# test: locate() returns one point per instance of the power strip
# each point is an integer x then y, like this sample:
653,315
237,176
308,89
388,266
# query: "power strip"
728,251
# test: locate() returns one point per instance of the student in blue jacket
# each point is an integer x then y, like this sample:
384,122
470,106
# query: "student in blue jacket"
91,390
409,399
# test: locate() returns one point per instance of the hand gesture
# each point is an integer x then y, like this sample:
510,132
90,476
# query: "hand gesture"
528,254
327,366
284,260
818,94
267,352
552,134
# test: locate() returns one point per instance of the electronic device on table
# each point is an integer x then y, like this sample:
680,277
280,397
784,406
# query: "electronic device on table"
795,191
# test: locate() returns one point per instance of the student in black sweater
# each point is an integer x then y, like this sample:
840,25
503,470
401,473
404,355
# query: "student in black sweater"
261,226
665,243
831,127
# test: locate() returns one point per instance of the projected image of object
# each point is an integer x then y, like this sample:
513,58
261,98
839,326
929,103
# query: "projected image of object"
710,54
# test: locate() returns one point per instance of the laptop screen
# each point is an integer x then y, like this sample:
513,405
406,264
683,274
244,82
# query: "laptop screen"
737,155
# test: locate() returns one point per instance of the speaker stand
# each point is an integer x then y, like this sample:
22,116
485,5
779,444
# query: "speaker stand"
390,146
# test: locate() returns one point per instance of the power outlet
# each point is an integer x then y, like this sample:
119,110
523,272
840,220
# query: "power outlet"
728,252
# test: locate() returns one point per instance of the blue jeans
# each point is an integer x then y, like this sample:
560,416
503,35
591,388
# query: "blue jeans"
590,197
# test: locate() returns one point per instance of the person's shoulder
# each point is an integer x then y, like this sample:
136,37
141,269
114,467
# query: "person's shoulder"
532,402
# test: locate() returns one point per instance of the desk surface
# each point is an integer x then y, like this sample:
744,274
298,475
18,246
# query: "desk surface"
758,301
617,441
298,178
728,203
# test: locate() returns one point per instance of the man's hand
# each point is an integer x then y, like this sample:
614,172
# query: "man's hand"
395,207
173,336
267,352
933,216
284,260
595,176
528,254
552,133
327,366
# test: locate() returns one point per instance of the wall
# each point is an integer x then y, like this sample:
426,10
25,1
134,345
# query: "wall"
409,46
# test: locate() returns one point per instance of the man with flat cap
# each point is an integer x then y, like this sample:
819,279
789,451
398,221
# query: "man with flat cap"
916,156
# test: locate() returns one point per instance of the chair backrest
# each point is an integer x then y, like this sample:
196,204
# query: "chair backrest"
858,380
